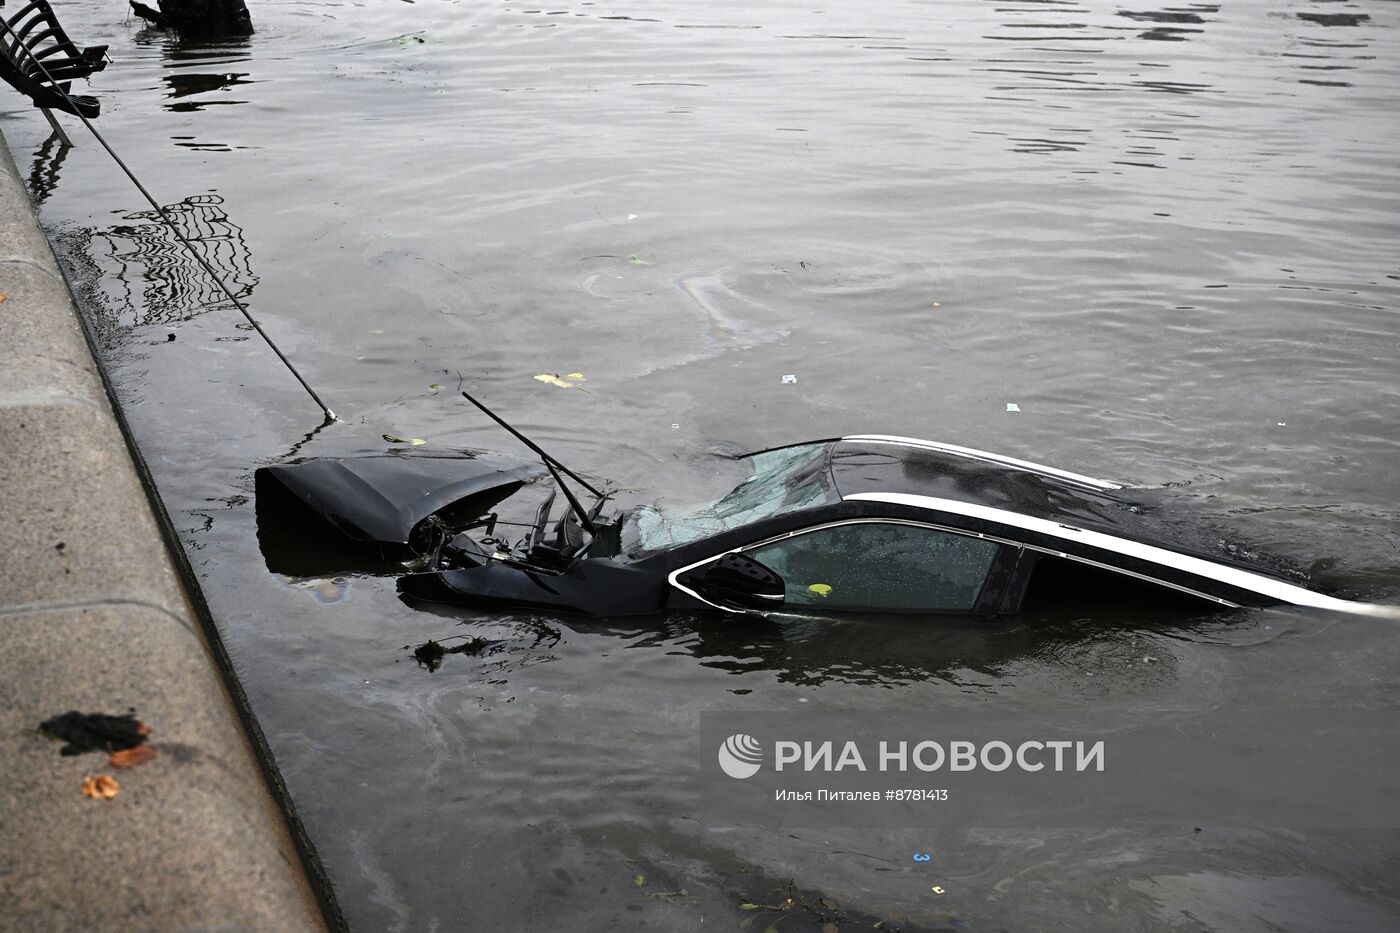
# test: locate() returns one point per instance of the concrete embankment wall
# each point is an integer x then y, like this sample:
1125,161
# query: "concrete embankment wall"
95,616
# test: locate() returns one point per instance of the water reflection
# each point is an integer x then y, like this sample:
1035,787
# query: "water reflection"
1334,19
142,274
199,71
975,655
1171,22
48,163
190,83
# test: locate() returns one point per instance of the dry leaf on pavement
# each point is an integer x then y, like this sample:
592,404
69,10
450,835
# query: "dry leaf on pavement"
131,757
100,787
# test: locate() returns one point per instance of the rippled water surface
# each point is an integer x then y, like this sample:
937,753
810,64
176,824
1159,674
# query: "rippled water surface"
1167,235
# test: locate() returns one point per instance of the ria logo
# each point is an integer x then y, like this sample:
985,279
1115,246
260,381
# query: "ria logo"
741,756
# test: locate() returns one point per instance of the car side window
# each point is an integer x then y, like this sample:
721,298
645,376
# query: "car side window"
880,566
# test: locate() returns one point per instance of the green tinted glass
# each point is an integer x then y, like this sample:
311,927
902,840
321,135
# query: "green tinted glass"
881,566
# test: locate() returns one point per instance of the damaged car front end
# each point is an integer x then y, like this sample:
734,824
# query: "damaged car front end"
860,524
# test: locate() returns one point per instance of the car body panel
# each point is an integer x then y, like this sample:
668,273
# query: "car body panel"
1031,512
381,498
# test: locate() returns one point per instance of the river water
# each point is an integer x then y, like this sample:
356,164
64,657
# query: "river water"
1168,236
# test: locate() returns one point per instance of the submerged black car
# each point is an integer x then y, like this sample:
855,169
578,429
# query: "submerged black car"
868,523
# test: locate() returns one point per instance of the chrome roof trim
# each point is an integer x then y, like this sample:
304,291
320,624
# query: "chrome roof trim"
1231,576
972,454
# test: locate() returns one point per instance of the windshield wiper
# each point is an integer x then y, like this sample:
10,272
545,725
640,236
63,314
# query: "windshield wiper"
554,467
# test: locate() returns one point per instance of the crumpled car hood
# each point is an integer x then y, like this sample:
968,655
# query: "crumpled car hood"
382,497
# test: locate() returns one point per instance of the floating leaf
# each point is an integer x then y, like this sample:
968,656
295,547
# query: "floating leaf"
417,441
101,787
826,903
395,439
936,889
3,297
554,380
821,589
577,377
640,881
435,386
131,757
637,262
747,906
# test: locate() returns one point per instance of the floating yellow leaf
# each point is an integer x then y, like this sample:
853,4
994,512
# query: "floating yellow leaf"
435,386
554,380
3,297
821,589
395,439
640,881
937,890
637,262
577,377
101,787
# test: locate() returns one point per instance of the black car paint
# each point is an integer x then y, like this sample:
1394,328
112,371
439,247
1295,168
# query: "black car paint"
613,578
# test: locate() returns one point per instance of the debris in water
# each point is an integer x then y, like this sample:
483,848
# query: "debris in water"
936,889
429,655
100,787
637,262
821,589
789,379
95,732
640,881
1012,406
554,379
169,338
395,439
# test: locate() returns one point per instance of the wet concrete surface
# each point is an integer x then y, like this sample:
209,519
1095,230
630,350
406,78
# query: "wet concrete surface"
95,617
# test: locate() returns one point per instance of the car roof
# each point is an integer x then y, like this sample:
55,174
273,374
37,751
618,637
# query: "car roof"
872,463
1108,516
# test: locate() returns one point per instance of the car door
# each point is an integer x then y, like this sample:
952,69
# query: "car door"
882,565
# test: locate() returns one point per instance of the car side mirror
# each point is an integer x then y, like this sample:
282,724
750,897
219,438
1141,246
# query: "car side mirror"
737,581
